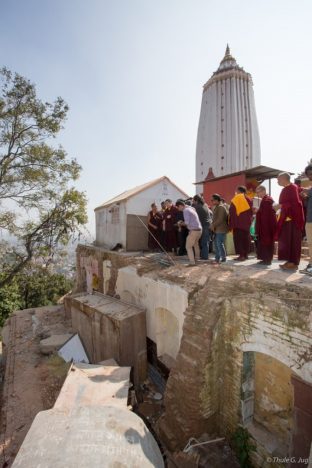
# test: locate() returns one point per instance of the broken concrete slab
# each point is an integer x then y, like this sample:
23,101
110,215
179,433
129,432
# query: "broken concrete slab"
100,437
54,343
91,385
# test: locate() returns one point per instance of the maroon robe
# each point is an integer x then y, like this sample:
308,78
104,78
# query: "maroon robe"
265,229
154,235
290,225
170,231
241,229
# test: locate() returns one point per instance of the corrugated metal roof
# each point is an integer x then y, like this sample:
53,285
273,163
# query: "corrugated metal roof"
254,172
134,191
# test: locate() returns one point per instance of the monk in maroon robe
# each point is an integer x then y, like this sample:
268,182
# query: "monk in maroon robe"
169,226
265,227
290,224
240,221
154,224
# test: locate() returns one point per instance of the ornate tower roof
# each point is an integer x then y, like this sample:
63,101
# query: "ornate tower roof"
228,61
228,67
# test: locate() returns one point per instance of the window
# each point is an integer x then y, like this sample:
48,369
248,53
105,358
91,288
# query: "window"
115,215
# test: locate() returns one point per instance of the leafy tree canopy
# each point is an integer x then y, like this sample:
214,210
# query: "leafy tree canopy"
38,206
34,287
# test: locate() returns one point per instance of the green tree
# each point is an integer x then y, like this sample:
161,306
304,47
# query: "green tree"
38,206
36,287
40,287
10,300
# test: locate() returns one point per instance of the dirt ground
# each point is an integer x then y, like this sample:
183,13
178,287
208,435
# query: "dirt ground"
32,381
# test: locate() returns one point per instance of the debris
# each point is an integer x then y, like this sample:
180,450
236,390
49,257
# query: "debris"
73,350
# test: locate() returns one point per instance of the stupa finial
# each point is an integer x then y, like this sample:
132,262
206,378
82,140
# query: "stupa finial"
227,50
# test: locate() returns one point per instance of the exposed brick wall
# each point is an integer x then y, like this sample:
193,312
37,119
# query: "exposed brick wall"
225,318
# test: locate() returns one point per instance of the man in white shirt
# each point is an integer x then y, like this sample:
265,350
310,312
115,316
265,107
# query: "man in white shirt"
191,221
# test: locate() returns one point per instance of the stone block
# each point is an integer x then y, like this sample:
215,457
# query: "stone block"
54,343
110,328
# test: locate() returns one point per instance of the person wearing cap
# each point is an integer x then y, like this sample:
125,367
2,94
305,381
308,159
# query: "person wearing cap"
191,221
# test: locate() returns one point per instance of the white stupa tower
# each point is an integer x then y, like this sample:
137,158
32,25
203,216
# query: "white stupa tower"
228,137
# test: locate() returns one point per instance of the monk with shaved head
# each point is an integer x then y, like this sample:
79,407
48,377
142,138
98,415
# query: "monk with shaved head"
265,227
290,223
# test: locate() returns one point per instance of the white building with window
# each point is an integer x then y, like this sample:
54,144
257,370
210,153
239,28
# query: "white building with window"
122,219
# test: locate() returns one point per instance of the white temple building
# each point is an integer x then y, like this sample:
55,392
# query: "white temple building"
228,137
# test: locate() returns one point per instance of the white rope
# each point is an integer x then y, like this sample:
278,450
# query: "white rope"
189,446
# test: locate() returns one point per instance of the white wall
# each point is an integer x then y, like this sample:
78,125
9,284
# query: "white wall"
140,204
109,234
227,127
165,304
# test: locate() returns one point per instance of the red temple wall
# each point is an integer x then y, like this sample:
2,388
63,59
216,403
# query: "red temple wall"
224,187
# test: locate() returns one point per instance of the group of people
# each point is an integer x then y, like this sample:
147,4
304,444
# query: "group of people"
189,226
283,222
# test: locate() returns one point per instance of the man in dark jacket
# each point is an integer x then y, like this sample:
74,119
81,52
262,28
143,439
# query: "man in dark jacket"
220,227
205,217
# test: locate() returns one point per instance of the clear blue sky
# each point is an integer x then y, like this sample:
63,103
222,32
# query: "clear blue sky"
132,73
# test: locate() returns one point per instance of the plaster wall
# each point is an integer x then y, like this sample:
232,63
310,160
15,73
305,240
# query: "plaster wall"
89,266
165,304
109,233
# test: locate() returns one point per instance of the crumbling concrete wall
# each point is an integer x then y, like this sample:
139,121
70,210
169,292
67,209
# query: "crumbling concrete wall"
226,317
273,395
164,301
92,260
